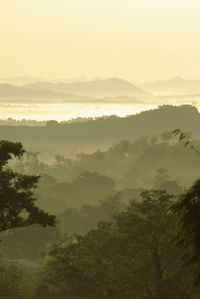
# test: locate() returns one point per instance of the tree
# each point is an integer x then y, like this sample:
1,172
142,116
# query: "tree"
187,209
17,204
148,229
164,182
185,138
131,257
15,283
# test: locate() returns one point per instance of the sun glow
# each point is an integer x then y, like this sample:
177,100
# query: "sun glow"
137,40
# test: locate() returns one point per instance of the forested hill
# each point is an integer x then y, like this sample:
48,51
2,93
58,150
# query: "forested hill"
89,135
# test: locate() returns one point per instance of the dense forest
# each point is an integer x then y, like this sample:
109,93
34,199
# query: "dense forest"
89,135
99,149
115,221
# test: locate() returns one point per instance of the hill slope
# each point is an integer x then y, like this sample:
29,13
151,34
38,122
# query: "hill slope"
88,136
176,85
107,87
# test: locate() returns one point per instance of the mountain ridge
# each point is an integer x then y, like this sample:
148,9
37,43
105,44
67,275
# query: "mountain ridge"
175,85
100,87
14,93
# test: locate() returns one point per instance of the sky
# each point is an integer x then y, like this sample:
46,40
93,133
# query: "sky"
138,40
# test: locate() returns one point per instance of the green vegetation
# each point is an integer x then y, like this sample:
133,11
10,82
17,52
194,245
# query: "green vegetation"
89,135
17,206
133,256
126,221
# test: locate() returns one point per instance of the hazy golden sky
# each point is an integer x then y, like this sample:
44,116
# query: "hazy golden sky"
133,39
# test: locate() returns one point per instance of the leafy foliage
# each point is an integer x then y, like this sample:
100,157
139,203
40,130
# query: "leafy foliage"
132,257
187,209
17,204
183,137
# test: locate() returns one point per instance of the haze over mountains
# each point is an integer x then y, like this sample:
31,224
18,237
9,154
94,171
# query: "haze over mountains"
11,93
100,87
176,85
100,133
62,101
109,90
23,80
19,81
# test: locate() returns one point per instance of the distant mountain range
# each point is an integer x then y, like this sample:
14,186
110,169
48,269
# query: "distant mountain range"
11,93
23,80
19,81
176,85
98,88
109,89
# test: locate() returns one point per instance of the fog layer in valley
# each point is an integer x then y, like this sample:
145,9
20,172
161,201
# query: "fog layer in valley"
110,170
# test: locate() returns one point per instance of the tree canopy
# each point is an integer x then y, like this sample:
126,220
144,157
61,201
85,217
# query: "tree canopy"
131,257
187,209
17,204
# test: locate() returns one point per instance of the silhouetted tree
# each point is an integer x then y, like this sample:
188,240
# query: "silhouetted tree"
187,209
17,203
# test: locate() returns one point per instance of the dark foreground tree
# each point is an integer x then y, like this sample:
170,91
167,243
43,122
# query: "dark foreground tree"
17,204
187,209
